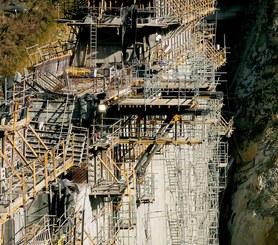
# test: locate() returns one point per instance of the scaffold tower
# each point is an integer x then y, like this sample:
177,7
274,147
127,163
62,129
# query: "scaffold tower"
116,136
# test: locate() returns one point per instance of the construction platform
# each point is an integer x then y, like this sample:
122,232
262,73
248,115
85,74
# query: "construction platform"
116,135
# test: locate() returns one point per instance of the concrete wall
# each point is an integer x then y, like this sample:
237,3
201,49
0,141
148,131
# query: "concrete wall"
55,66
151,217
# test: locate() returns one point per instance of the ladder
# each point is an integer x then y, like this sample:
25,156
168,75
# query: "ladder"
171,169
158,5
134,69
173,226
93,42
174,231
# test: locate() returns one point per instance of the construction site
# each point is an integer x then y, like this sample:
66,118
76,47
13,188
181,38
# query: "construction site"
115,135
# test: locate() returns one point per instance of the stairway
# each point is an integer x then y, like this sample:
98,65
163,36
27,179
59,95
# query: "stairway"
57,111
218,56
50,134
39,233
171,170
53,134
36,169
176,6
174,231
80,145
49,83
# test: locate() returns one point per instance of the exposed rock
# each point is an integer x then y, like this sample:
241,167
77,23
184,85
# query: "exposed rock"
250,153
254,203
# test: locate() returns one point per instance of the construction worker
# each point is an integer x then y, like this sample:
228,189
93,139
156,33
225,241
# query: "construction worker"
62,240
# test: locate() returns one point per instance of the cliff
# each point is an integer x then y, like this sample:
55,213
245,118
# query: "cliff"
254,203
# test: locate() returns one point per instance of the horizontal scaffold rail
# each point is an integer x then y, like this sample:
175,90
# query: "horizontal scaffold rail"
157,13
156,102
160,141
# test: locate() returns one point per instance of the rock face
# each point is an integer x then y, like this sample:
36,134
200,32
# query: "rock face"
254,217
254,203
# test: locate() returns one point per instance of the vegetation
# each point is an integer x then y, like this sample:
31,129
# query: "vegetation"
35,26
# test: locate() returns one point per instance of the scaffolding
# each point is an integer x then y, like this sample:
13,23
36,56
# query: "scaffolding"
38,146
143,136
55,50
29,162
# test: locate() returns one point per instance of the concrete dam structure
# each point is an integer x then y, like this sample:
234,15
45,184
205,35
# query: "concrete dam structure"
115,136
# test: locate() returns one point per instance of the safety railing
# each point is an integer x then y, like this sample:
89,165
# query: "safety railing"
36,171
58,49
40,232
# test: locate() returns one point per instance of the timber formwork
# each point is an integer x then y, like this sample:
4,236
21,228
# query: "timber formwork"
132,129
